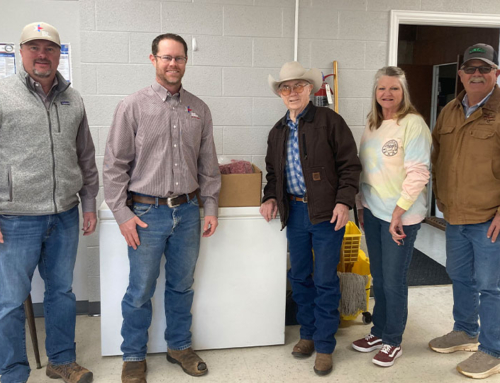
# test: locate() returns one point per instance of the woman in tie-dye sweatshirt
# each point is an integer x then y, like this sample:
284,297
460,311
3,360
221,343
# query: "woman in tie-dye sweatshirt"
395,155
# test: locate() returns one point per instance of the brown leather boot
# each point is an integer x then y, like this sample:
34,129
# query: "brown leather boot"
134,372
70,373
303,349
323,364
191,363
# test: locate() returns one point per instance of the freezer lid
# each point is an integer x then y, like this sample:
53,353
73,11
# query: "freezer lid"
224,212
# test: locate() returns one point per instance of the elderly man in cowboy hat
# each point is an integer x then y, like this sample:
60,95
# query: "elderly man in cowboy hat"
312,179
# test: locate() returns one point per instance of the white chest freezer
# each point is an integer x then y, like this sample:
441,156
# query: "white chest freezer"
240,284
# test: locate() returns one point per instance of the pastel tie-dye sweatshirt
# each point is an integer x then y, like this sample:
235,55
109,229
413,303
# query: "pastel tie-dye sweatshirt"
396,160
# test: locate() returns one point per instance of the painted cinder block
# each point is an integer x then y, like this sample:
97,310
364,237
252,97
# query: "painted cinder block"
230,110
253,80
124,79
355,25
203,80
191,18
252,21
223,51
245,140
267,111
349,54
128,15
100,108
104,47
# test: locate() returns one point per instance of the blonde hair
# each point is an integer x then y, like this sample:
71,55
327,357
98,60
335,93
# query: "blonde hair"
375,117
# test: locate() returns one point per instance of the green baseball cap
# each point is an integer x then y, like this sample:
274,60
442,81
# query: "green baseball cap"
483,52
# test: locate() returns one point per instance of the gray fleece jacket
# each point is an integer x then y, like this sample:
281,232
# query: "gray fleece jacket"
47,156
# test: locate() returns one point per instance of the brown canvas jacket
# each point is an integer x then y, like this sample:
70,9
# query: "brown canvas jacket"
329,160
466,161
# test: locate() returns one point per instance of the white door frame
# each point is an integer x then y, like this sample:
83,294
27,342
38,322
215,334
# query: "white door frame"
435,18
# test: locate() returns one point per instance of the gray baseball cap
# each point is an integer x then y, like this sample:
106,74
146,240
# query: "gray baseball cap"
483,52
40,31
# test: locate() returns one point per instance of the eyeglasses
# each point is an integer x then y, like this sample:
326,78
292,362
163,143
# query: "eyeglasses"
178,59
481,69
285,90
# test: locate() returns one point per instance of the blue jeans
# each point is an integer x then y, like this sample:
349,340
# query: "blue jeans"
317,297
473,264
389,265
174,232
49,242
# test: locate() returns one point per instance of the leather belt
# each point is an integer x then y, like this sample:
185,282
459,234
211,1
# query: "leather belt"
295,198
173,201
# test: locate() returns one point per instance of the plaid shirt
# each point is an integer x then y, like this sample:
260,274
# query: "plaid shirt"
294,178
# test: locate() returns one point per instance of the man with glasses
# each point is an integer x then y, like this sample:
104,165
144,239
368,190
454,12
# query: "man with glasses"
47,167
312,179
466,182
160,151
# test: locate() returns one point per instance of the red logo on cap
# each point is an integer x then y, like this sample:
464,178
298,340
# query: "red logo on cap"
39,28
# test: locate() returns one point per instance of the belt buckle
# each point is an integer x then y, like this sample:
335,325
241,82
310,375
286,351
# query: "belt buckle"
170,204
304,200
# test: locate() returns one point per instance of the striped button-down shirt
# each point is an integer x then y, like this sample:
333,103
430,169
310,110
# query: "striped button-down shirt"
160,145
295,183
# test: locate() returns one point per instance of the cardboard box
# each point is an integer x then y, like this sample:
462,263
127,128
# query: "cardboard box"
241,189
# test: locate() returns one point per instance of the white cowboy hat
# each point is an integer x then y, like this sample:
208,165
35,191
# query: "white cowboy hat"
294,71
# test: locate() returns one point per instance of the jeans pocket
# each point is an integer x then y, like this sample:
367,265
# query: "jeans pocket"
141,209
10,217
194,201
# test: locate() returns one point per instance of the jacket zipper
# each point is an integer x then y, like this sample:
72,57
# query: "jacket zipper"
53,162
58,122
9,181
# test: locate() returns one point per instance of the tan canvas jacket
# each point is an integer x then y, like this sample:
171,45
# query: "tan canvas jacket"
466,161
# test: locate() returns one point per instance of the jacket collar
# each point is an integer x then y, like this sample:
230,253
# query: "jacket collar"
308,117
62,84
492,104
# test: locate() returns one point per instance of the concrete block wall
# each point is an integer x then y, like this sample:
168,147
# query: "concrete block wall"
240,42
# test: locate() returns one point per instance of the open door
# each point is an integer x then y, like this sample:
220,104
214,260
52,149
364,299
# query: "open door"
444,89
458,84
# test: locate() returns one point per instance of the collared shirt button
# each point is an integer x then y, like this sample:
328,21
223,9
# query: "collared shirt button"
175,164
175,126
175,145
177,183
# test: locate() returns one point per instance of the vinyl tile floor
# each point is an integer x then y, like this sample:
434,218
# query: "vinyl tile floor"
429,316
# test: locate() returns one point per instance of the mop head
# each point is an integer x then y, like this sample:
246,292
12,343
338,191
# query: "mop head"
353,290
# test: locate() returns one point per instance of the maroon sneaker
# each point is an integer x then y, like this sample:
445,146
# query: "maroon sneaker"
387,355
367,344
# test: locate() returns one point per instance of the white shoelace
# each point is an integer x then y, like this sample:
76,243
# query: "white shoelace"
386,349
369,336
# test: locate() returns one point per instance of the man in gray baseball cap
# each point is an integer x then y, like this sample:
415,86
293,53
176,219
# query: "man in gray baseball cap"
47,167
466,183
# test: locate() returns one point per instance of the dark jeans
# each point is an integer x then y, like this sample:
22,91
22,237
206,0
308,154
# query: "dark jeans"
389,265
317,297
